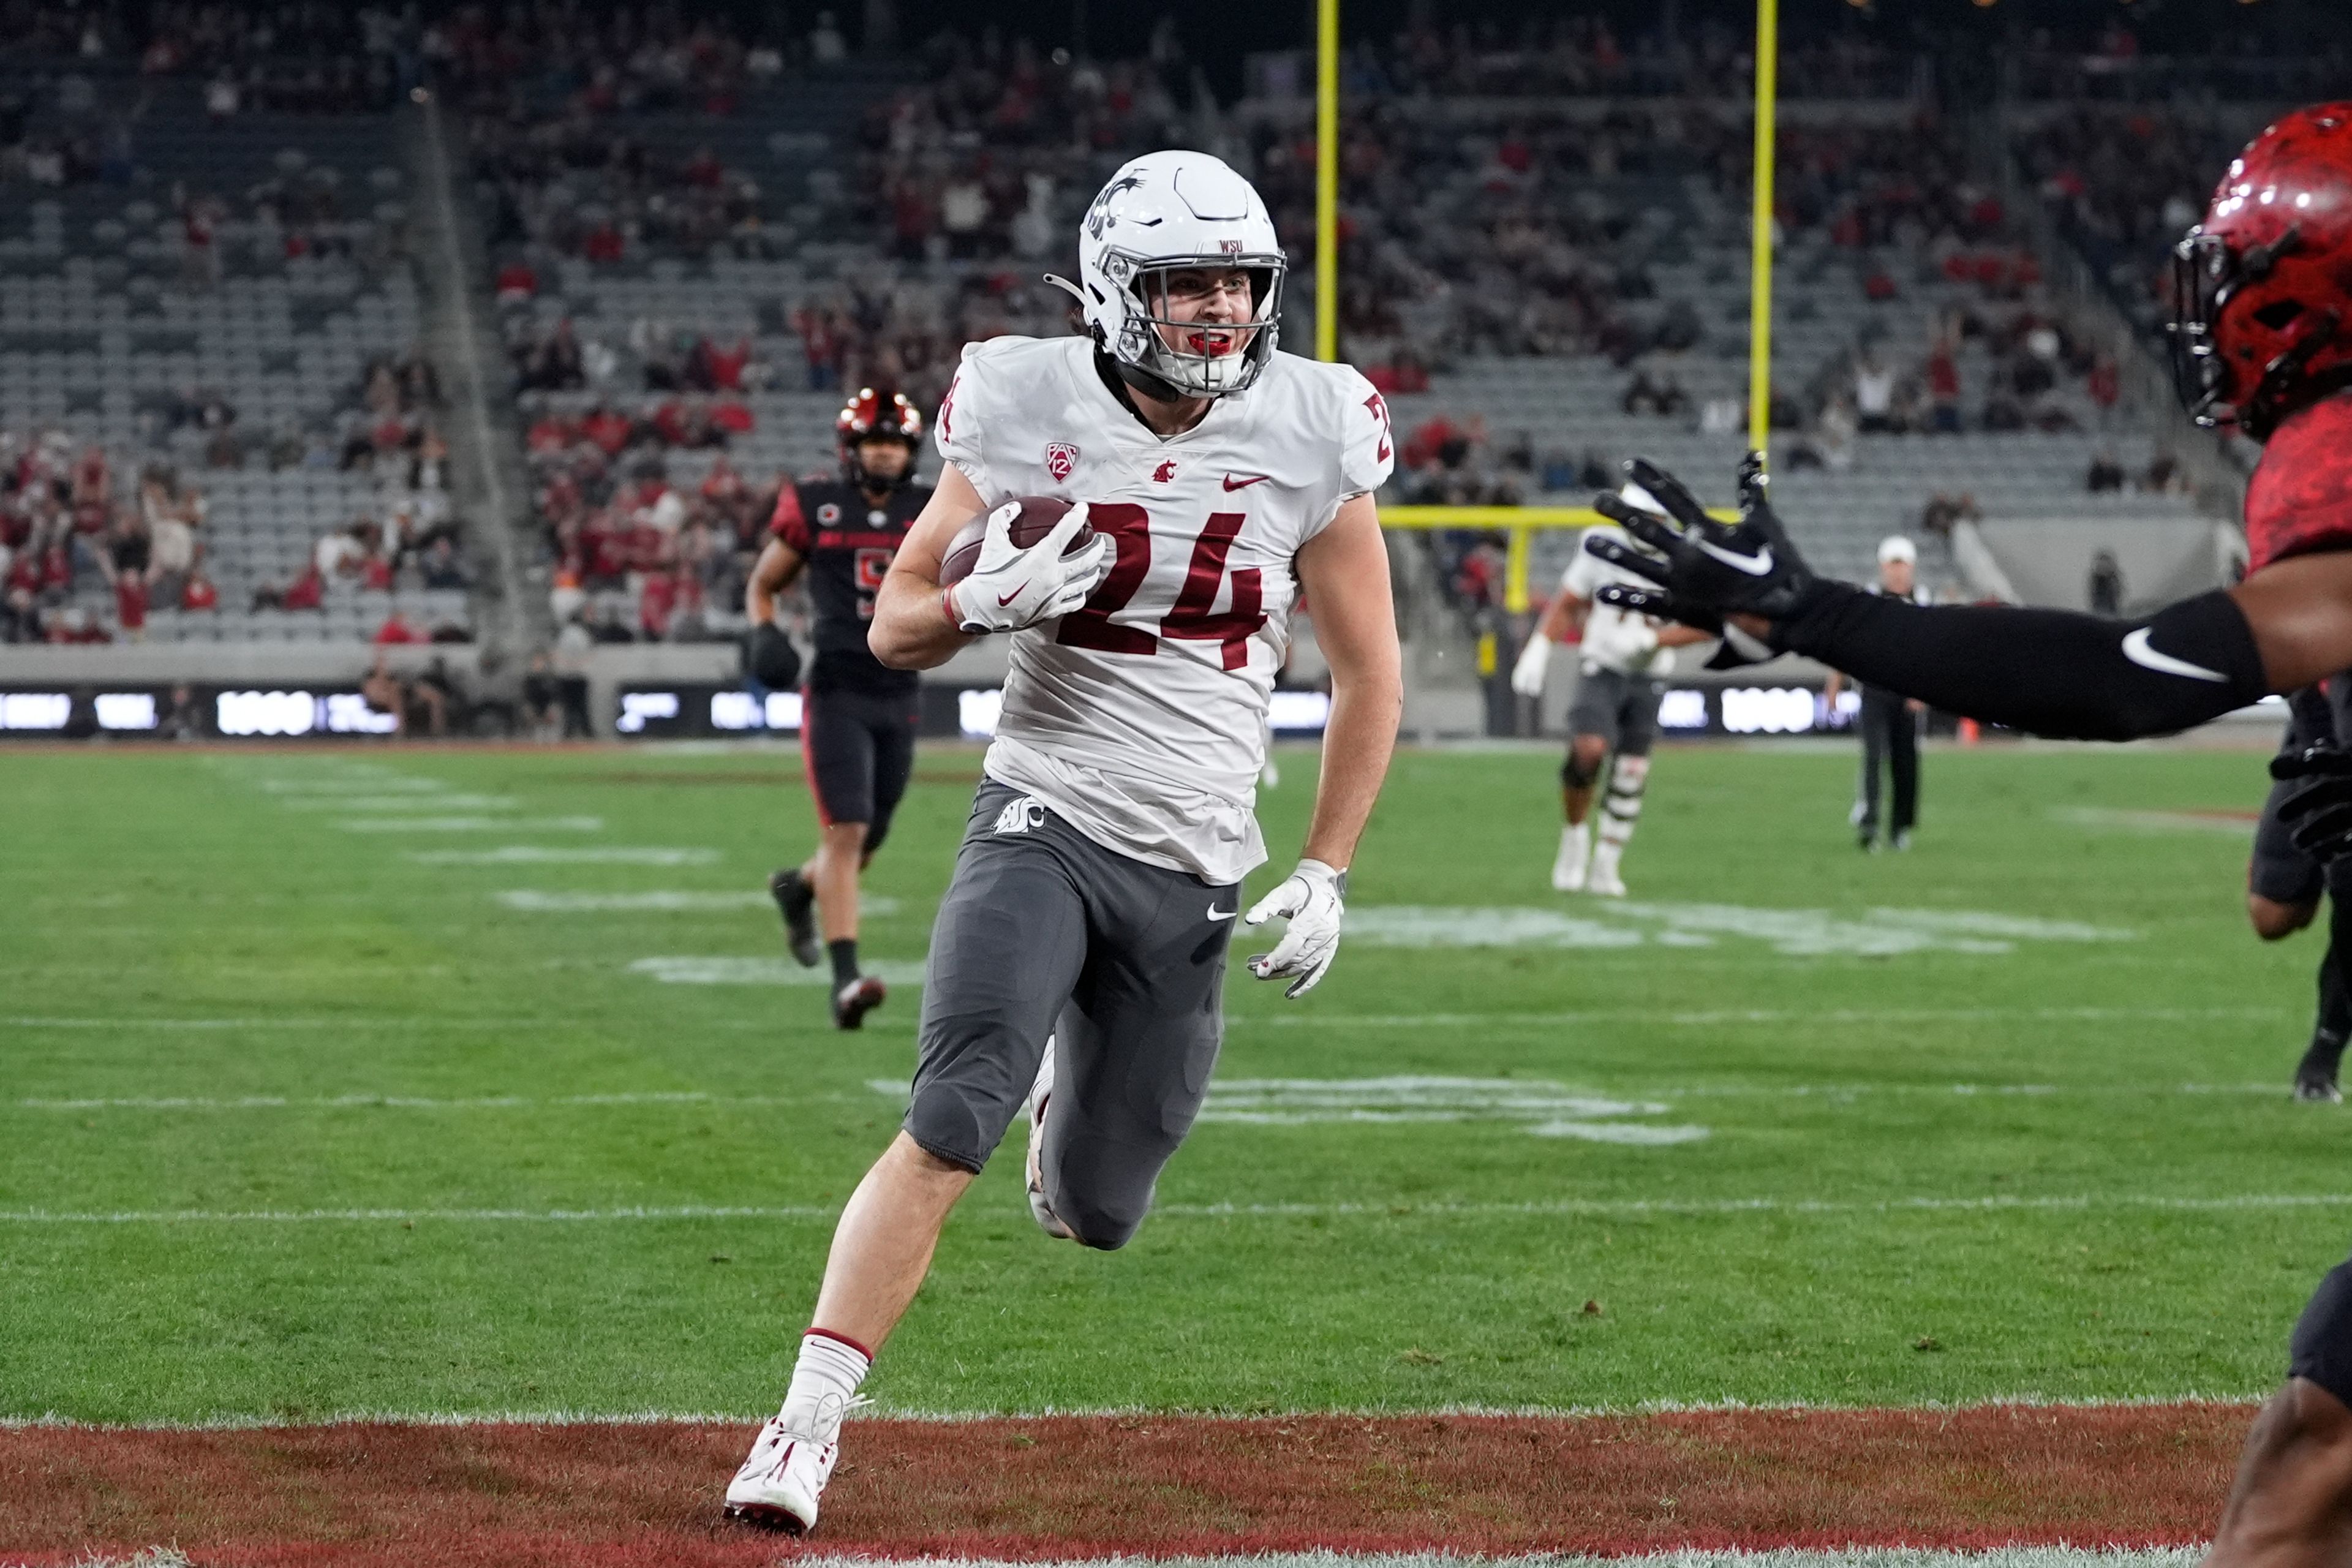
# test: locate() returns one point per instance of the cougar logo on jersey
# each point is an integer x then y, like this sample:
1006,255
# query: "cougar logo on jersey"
1164,472
828,514
1061,461
1021,815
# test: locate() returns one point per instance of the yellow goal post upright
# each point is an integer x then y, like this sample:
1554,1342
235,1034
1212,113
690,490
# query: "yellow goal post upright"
1519,524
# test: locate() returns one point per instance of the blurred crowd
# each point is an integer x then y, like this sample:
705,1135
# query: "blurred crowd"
91,541
638,558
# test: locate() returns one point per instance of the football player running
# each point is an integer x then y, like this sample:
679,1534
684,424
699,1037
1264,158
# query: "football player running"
1076,963
857,717
2260,341
1614,718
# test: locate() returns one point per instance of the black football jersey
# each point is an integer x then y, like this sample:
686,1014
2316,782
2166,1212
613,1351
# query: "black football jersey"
847,545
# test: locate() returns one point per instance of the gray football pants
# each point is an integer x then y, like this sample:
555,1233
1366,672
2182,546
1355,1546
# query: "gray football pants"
1045,933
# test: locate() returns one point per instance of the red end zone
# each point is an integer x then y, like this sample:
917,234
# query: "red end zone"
1087,1486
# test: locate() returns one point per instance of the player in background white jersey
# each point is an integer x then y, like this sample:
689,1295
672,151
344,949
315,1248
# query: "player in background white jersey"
1078,961
1614,718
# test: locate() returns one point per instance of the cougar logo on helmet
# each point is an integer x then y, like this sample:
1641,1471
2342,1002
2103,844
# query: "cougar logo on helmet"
1098,216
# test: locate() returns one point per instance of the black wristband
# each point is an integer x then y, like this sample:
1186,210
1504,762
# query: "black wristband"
2050,672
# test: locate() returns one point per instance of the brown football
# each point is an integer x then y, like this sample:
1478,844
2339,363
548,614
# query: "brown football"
1031,524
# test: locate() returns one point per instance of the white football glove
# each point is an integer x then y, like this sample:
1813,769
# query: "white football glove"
1010,587
1527,674
1311,899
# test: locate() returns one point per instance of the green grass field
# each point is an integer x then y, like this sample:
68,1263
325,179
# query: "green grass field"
301,1114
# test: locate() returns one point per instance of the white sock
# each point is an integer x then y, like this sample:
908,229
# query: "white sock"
825,1380
1576,841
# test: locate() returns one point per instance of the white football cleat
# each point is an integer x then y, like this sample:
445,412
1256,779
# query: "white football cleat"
1568,868
1603,882
791,1461
1039,1093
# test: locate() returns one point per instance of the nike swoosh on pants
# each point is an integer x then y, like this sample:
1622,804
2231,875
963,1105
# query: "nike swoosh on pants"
2135,648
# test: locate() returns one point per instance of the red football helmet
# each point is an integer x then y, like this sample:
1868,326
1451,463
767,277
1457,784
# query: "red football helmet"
2261,286
872,414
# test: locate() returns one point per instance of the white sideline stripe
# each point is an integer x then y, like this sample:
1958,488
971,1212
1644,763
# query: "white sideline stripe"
1561,1208
538,855
1847,1557
473,825
886,1411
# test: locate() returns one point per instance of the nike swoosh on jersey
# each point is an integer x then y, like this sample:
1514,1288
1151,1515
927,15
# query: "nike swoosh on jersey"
2135,649
1754,565
1233,484
1217,914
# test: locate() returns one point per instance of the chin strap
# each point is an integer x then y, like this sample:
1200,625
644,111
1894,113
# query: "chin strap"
1066,287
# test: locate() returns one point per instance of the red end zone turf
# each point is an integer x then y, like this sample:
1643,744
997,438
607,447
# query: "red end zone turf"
1152,1485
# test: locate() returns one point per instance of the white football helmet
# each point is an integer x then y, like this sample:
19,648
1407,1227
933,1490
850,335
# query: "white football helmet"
1161,213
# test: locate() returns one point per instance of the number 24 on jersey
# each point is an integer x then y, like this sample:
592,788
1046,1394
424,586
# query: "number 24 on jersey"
1190,618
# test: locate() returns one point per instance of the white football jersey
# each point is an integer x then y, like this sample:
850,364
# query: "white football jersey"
1612,638
1141,718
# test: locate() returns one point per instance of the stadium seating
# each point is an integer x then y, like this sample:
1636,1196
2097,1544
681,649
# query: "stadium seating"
111,323
1517,267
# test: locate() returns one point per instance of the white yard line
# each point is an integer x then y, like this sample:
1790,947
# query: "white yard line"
1561,1208
885,1410
388,804
733,969
2228,825
472,825
417,1101
666,900
1239,1111
548,855
1719,1016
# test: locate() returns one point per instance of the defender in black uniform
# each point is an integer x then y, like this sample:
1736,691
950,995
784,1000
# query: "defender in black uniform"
2284,885
857,719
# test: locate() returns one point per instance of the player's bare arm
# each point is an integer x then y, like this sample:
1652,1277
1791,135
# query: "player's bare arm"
1563,616
1344,572
911,630
2300,611
773,573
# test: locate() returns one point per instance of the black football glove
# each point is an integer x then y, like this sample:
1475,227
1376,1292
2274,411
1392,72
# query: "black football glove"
1710,569
2318,816
772,659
